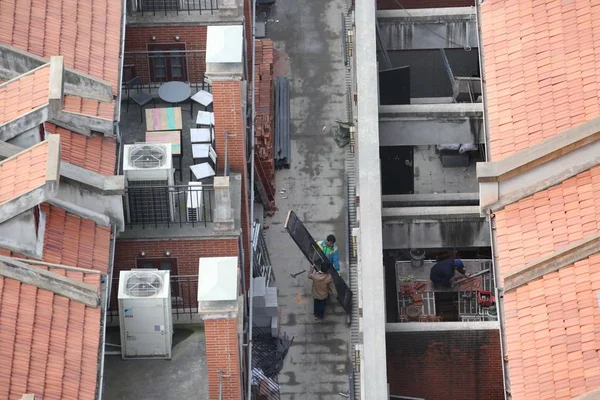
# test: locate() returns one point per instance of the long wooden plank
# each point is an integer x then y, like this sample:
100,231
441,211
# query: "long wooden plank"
314,254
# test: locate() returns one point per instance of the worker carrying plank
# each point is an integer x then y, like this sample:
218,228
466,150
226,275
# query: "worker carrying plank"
329,248
442,272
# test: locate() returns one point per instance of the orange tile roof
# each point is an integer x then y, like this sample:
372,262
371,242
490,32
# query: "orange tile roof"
541,79
49,343
540,69
98,153
20,96
72,240
89,107
86,33
23,172
548,220
552,335
36,325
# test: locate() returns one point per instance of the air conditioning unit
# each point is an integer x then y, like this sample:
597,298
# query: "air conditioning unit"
148,170
148,162
195,202
145,314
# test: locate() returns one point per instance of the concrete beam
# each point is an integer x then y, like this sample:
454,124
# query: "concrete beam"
9,150
371,291
502,183
430,233
453,110
19,234
24,123
103,210
15,62
534,156
593,395
432,199
106,185
552,262
431,212
430,14
431,131
84,124
56,86
442,326
60,285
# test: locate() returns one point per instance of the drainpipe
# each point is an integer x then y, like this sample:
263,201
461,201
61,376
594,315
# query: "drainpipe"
491,221
105,311
253,117
117,115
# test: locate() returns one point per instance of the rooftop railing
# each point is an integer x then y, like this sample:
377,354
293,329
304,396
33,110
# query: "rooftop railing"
154,7
166,206
184,298
165,65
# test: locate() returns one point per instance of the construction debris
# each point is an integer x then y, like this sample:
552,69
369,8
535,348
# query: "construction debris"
341,133
268,354
283,143
263,124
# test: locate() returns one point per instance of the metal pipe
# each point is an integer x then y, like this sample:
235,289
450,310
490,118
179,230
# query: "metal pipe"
253,115
117,115
107,293
491,222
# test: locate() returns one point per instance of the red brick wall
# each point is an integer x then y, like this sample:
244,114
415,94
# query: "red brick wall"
248,20
223,354
412,4
445,365
229,117
194,38
187,253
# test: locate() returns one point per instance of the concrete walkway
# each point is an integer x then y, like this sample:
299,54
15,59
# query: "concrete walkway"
309,44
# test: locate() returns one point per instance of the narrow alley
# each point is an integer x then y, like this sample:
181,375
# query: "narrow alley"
308,45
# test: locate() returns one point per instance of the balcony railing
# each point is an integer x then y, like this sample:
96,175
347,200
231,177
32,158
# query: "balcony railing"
154,7
184,297
166,65
165,206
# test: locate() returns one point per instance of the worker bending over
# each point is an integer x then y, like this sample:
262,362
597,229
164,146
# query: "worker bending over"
443,272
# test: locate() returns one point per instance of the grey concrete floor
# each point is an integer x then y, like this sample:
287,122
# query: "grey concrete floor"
308,40
431,177
182,377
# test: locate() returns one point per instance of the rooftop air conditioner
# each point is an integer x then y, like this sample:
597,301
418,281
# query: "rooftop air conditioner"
148,162
145,314
195,202
148,170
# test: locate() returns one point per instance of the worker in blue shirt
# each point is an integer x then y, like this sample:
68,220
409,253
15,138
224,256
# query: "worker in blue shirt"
443,272
331,251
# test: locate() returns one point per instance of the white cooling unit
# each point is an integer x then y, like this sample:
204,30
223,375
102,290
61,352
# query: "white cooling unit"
148,170
145,314
195,202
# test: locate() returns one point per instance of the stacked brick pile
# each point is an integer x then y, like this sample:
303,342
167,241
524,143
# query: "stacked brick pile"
264,131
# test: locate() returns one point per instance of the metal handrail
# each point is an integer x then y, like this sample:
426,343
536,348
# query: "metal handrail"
154,206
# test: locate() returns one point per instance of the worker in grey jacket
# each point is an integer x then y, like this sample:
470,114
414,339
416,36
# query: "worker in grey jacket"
321,288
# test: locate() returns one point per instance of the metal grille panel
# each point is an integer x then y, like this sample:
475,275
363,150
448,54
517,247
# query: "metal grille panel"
148,202
467,303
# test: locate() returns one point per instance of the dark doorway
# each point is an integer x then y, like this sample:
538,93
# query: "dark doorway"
167,66
397,176
446,305
394,86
